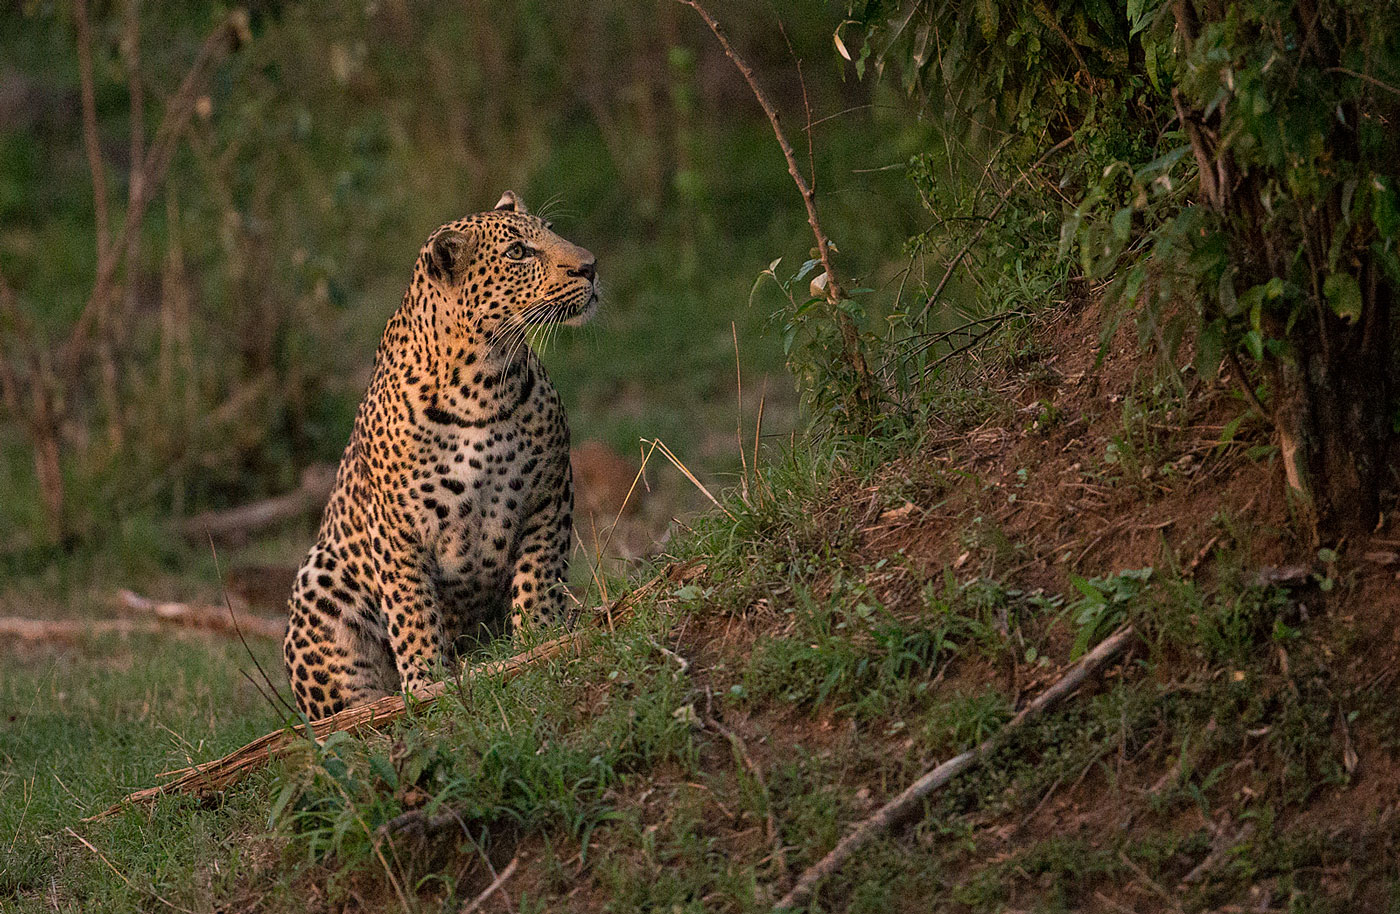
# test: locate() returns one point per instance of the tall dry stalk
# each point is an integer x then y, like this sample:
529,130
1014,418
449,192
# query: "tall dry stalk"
40,386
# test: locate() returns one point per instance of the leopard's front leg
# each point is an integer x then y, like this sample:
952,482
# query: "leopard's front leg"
412,615
538,594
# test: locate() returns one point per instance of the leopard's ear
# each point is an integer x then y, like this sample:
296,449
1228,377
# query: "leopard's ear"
510,202
449,253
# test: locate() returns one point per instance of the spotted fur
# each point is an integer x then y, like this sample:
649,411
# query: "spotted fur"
451,512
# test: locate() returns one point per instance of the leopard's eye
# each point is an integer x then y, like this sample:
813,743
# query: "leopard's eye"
518,251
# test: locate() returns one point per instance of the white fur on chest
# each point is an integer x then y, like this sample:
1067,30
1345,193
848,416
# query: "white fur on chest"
474,512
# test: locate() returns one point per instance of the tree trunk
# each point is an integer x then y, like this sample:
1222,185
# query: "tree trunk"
1333,417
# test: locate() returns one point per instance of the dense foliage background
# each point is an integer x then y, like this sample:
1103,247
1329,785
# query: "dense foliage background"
1225,168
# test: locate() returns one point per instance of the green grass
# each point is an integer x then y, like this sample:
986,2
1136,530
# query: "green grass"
88,724
596,772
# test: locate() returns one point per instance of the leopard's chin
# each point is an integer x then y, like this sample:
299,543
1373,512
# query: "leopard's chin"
581,315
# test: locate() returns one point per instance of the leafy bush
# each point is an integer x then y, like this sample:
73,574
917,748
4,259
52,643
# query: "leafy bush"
1229,166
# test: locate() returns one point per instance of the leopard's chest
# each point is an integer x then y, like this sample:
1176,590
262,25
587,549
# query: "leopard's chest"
476,488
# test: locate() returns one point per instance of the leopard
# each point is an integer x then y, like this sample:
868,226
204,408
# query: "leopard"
450,520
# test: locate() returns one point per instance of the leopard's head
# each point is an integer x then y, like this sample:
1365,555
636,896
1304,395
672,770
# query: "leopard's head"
502,271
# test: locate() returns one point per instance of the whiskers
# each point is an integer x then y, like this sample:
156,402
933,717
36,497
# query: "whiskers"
553,209
526,327
536,326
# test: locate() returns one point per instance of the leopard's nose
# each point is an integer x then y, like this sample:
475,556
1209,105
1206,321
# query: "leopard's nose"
587,270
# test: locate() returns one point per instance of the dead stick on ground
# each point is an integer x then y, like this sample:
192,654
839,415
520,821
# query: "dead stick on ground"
493,887
69,630
235,525
74,630
220,773
910,801
193,615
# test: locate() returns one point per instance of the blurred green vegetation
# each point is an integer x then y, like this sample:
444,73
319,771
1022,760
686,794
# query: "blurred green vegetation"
322,153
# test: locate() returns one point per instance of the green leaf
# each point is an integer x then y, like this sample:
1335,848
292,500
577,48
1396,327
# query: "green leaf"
758,281
1344,295
1160,165
384,770
1210,350
1384,211
1227,435
1388,261
1122,224
1089,591
285,796
1254,342
1225,293
805,269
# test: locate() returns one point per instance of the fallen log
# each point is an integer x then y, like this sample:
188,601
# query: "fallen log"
195,615
211,777
236,525
903,807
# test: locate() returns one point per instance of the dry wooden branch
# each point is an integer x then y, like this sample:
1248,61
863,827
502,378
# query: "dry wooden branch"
217,775
211,618
214,776
68,631
493,888
904,806
833,289
153,618
236,524
91,142
221,42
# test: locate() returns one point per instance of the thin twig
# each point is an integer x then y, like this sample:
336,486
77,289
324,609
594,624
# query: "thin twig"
1363,77
91,143
493,888
1245,387
964,329
910,801
230,769
224,40
122,876
741,752
833,290
977,236
233,617
666,452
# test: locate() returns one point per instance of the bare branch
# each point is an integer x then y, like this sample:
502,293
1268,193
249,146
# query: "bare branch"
195,615
131,41
91,141
220,773
833,290
1005,196
902,807
223,41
